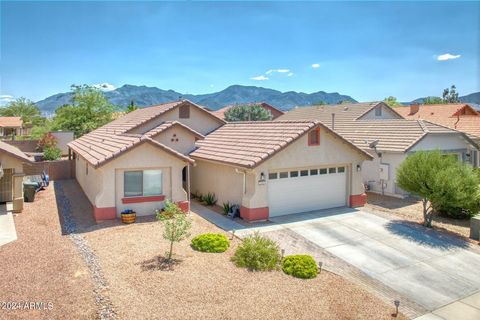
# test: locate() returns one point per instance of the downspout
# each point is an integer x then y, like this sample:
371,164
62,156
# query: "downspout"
244,179
188,184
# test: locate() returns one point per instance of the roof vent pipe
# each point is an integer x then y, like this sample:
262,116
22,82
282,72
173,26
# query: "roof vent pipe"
333,121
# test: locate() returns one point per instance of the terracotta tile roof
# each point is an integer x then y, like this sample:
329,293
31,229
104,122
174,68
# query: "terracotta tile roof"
11,122
323,113
172,124
111,140
392,135
275,112
14,152
247,144
140,116
447,115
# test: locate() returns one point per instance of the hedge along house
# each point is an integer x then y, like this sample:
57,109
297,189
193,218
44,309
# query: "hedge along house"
141,159
279,167
11,175
388,137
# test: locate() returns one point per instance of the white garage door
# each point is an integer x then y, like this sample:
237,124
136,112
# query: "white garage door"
306,190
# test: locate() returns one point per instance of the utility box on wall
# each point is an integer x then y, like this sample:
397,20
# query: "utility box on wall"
384,172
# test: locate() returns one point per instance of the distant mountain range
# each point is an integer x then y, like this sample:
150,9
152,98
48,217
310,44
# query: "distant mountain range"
469,98
146,96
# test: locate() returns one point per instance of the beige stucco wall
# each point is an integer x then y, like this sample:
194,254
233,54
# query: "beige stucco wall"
199,121
219,179
371,173
63,138
177,138
104,186
9,162
143,157
92,182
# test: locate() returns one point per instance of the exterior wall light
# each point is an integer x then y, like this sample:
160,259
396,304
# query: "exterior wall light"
262,178
359,168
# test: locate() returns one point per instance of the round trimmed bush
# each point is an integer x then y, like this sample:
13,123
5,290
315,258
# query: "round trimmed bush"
300,266
210,242
257,253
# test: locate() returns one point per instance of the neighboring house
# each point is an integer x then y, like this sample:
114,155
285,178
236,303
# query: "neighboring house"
11,172
10,126
459,116
381,131
63,138
141,159
274,111
273,168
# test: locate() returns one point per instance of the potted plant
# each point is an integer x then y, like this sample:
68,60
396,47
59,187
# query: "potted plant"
128,216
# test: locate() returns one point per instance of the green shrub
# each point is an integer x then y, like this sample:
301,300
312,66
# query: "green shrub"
210,242
52,153
300,266
209,199
257,253
226,207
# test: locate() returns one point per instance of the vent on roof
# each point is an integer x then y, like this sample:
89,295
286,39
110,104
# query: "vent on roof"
345,109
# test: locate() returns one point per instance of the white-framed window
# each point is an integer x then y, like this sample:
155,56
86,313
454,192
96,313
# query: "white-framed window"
144,183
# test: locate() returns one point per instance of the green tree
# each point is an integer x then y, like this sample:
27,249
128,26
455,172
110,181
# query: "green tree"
432,100
391,101
88,111
131,107
25,109
248,113
450,95
39,131
441,181
176,225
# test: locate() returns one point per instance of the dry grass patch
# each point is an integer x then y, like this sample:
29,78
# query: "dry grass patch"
411,209
209,286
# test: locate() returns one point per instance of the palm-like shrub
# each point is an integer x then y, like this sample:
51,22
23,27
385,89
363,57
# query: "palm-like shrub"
210,242
257,253
209,199
300,266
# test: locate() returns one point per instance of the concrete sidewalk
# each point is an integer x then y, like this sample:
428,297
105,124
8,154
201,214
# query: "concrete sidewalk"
465,309
7,225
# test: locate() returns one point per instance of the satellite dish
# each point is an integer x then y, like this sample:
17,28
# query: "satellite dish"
374,144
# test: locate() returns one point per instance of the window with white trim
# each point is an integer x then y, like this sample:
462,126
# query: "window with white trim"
142,183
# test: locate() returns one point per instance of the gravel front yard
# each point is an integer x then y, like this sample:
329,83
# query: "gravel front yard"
209,286
410,209
43,266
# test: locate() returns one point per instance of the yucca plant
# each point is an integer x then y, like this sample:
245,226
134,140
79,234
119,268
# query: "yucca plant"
209,199
226,207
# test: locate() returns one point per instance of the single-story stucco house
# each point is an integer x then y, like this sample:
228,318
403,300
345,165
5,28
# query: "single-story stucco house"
458,116
141,159
274,168
12,160
382,132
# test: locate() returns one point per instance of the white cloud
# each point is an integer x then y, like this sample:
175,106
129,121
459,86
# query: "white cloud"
315,65
277,70
448,56
290,74
259,78
105,86
5,98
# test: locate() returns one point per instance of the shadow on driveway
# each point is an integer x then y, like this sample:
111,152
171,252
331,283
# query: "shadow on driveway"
424,236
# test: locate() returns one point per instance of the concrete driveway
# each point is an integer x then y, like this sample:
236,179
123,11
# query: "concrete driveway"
428,267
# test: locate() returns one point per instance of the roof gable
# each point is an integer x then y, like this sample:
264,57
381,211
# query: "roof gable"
248,144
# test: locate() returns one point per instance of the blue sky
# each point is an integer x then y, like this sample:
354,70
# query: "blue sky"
368,50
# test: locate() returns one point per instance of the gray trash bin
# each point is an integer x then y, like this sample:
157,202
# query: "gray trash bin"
29,190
